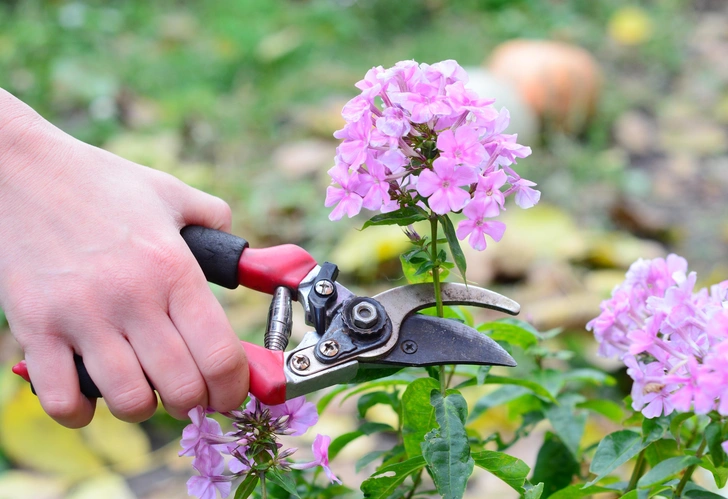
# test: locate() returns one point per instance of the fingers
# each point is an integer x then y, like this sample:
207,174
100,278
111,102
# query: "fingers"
114,367
194,206
169,365
51,367
219,355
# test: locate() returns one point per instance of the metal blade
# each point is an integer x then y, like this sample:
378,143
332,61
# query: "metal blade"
430,341
403,301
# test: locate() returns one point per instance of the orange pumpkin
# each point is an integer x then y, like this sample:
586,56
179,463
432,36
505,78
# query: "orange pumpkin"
561,82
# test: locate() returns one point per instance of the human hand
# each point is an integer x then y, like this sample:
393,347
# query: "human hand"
92,262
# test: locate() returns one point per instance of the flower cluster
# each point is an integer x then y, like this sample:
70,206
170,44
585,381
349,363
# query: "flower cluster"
674,340
252,445
416,136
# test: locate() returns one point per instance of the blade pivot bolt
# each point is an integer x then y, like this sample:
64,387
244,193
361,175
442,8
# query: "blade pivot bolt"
324,287
409,346
365,315
329,348
300,362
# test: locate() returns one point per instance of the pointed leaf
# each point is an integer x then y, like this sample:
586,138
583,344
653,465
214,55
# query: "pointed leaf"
533,491
568,425
577,492
382,483
666,469
452,241
654,429
555,465
283,480
246,488
613,451
343,440
495,398
510,333
607,408
510,469
447,449
714,437
661,450
418,415
403,216
535,387
720,475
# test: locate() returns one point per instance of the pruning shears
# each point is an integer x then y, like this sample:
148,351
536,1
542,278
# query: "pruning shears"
351,334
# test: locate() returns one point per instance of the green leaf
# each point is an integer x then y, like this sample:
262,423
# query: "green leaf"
695,491
452,241
371,385
632,494
654,428
496,398
382,483
613,451
368,400
343,440
577,492
535,387
532,491
677,422
365,375
403,216
324,401
510,469
661,450
555,465
510,333
568,425
368,458
447,449
593,376
418,415
714,437
246,487
720,475
413,271
607,408
283,480
666,469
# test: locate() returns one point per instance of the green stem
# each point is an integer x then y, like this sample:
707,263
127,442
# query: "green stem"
263,492
689,472
415,484
438,290
639,468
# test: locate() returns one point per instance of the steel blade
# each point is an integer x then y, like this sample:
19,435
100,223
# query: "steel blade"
429,341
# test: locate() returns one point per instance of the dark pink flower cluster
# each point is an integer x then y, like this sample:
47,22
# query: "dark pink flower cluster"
673,339
417,136
255,430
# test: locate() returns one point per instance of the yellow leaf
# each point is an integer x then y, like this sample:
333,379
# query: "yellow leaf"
108,486
123,445
23,485
630,26
32,439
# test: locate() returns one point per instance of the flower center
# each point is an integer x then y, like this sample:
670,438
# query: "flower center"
445,184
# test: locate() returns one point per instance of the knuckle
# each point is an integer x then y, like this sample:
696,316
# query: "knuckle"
61,409
132,403
185,395
224,362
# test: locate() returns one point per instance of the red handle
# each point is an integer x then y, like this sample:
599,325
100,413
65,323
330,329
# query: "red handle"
266,269
267,379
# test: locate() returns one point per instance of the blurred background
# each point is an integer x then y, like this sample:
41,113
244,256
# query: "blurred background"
625,104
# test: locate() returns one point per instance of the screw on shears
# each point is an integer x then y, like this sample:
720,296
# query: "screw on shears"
324,287
300,362
329,348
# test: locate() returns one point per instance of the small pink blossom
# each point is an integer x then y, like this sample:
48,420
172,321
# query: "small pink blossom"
442,185
210,464
301,414
320,449
475,227
462,146
525,196
194,434
489,194
345,197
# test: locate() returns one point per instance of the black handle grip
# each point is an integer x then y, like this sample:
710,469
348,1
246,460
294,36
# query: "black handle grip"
217,253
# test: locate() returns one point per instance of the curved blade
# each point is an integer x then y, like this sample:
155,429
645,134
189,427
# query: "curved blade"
430,341
403,301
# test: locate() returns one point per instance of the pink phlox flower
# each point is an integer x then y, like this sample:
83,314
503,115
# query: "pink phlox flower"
718,326
371,79
345,197
355,109
462,145
650,394
508,150
677,302
698,390
210,464
448,71
488,192
378,194
320,449
644,339
239,464
393,159
404,74
394,122
301,414
194,434
355,136
424,102
719,292
475,227
494,128
462,100
525,196
442,185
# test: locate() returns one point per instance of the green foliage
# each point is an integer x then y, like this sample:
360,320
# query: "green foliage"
446,448
614,450
555,465
387,479
511,470
404,216
418,415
